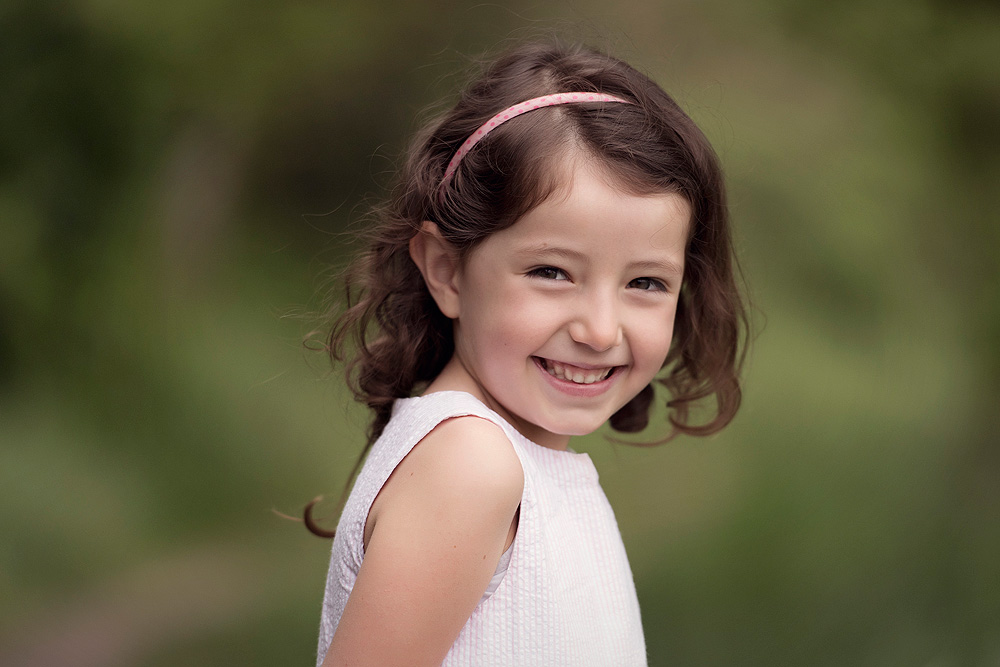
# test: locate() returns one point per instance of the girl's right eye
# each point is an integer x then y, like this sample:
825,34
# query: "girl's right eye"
549,273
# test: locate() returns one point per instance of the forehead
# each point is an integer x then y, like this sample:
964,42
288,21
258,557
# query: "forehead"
589,214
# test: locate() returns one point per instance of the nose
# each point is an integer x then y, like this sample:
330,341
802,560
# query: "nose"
597,323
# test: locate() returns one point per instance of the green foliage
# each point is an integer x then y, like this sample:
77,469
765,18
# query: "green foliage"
168,171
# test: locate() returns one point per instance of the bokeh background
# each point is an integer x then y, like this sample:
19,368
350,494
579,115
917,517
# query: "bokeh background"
175,182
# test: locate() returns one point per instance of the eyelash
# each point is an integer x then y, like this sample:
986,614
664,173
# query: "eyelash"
546,273
654,284
549,273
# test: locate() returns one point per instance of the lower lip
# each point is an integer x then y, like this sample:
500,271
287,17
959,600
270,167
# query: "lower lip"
574,389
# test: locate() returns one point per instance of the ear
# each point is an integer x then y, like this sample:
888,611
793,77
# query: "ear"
438,263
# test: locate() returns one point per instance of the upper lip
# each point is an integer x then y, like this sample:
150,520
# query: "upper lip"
581,366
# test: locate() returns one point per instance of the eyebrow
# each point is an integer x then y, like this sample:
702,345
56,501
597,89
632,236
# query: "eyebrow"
668,267
544,251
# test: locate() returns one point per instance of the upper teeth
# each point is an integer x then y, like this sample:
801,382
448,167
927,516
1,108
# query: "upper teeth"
577,375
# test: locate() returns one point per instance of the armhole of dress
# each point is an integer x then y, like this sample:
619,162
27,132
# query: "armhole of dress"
503,563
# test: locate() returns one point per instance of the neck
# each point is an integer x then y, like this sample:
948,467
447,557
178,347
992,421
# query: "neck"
456,377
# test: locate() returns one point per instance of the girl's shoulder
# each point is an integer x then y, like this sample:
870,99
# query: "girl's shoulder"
460,433
467,454
463,470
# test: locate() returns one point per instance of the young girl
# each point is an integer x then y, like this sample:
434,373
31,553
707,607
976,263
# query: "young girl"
558,242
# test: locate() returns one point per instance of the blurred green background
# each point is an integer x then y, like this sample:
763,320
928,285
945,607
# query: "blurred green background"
175,179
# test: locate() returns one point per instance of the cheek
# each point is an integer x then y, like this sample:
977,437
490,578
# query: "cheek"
512,314
654,344
500,324
657,347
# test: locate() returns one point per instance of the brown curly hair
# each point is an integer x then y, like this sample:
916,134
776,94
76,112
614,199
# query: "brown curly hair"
392,335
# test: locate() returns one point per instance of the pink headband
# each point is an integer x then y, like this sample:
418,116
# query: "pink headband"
512,112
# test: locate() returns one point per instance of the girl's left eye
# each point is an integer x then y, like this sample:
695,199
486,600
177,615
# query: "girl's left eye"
648,285
549,273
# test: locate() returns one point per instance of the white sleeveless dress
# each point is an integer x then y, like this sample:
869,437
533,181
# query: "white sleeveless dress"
567,596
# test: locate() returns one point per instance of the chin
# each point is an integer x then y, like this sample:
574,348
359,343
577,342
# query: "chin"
578,428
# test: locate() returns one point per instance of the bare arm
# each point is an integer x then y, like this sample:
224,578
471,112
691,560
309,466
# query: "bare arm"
440,525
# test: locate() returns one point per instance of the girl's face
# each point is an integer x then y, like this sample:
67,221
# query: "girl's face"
567,314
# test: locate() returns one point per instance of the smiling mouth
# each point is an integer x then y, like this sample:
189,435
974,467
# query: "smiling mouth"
575,374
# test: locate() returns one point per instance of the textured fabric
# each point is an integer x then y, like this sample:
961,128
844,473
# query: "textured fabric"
567,597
